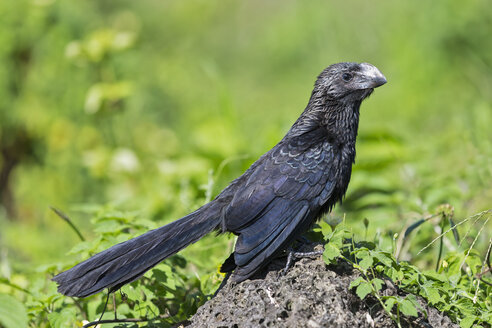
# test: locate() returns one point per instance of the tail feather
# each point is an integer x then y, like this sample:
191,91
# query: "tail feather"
129,260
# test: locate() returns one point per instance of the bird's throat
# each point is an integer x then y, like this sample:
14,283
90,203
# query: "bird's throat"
342,121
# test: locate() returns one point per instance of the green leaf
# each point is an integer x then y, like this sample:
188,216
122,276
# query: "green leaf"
124,310
408,308
474,261
131,292
454,261
455,231
110,227
395,275
337,238
363,290
413,227
366,244
64,318
356,282
434,275
324,228
431,294
366,262
467,322
331,252
384,257
377,283
12,312
455,278
390,302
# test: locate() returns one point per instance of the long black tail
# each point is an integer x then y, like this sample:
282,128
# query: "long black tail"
129,260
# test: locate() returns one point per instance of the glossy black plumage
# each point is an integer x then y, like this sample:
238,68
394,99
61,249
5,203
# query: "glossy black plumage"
278,198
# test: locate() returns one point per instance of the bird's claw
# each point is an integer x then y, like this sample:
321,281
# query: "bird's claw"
298,255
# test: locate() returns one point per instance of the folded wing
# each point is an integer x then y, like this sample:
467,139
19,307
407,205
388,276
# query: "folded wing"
281,199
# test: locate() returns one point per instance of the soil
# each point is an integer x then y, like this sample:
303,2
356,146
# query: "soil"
311,294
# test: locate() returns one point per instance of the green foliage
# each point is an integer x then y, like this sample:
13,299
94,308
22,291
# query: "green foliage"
167,294
455,289
12,312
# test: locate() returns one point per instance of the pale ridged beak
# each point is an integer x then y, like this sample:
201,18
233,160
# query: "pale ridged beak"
370,77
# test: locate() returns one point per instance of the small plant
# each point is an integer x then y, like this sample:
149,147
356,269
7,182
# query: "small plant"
164,295
458,288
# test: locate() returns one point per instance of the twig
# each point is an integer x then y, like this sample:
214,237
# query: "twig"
473,243
441,245
483,272
479,275
477,216
8,283
114,306
442,234
67,219
105,306
97,322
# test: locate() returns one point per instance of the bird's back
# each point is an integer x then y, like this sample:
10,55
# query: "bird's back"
281,195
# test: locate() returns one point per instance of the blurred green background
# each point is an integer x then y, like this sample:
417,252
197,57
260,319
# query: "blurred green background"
154,106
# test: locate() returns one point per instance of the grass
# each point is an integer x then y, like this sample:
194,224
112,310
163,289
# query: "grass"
147,110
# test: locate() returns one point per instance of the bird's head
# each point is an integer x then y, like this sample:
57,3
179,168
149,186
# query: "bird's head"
348,81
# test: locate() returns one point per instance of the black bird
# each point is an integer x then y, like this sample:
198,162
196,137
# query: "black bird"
276,200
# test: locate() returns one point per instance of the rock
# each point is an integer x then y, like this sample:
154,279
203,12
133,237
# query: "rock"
311,294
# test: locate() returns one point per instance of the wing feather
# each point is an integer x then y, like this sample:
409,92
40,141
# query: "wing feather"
283,195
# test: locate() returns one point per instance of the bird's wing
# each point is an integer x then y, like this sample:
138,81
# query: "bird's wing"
280,198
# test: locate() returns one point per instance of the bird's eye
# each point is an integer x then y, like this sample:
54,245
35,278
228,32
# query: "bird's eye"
347,77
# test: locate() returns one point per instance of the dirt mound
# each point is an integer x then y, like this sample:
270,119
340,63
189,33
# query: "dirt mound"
309,295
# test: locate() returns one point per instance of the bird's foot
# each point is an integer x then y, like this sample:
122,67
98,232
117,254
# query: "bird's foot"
298,255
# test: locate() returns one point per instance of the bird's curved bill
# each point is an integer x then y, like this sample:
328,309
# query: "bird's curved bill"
371,77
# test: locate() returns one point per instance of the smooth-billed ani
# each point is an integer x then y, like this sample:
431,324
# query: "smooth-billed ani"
277,199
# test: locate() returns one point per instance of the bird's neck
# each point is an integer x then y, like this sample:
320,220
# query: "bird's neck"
340,119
